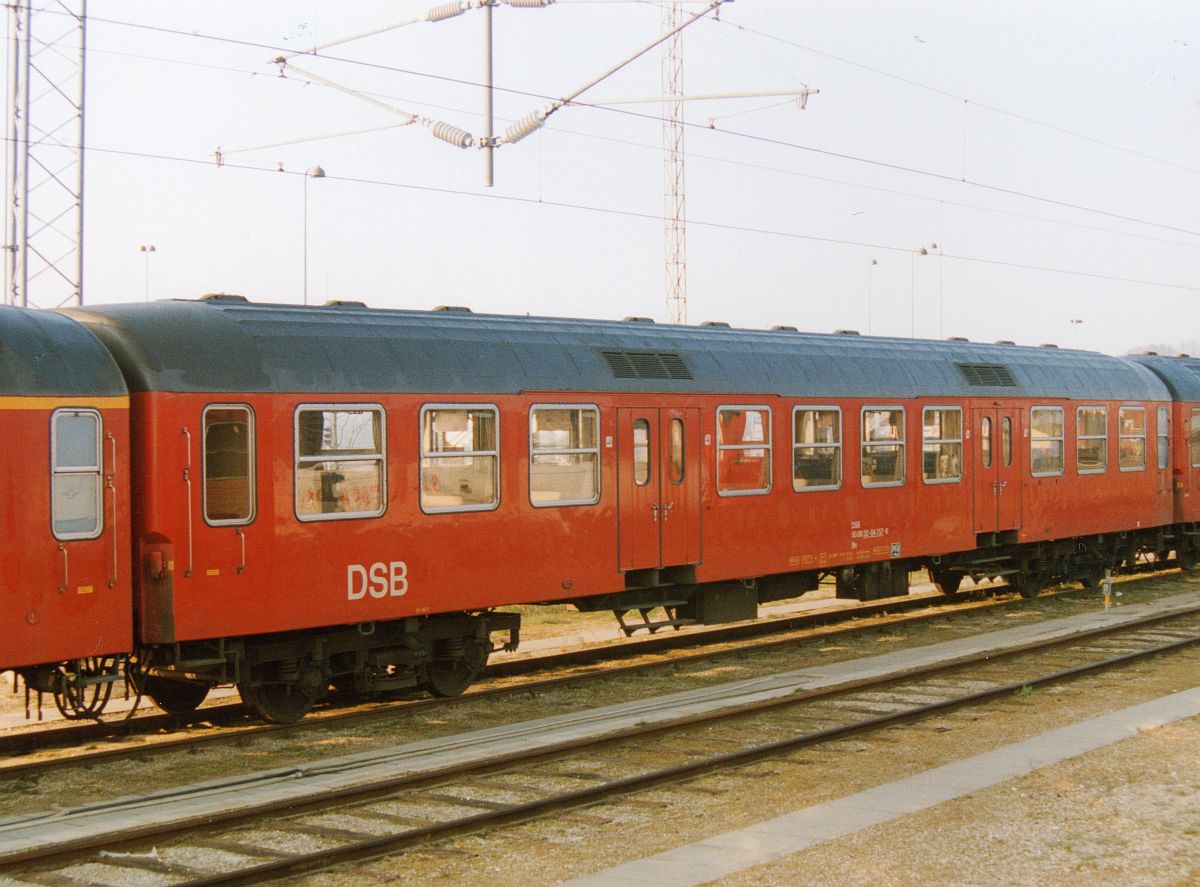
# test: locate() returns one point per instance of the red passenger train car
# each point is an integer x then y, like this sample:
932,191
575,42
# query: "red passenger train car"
345,496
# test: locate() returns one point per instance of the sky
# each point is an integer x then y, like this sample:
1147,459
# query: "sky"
1050,150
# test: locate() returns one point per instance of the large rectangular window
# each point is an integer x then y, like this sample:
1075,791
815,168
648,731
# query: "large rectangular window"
77,466
1131,448
1164,437
564,455
743,450
942,444
460,457
1091,439
882,459
228,464
816,448
1046,441
340,466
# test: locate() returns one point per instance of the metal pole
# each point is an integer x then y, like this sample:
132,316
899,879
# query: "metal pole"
306,238
23,148
487,94
82,154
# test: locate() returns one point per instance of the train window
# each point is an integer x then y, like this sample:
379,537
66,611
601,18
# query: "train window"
1194,439
816,448
228,464
564,455
985,442
941,444
743,450
460,457
1006,440
641,452
1091,439
340,465
1164,437
1046,441
1131,447
675,451
882,446
76,463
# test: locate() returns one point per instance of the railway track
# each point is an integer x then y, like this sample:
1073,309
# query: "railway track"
262,843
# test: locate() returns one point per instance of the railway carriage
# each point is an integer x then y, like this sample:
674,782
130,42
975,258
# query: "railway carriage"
346,496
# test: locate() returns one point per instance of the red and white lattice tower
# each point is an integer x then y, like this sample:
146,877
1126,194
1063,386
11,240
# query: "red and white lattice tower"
674,215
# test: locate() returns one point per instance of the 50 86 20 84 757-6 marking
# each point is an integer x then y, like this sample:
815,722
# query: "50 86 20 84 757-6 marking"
379,580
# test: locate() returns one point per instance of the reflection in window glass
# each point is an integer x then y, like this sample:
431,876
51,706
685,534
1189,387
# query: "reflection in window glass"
675,451
641,452
1194,439
1046,441
339,462
76,492
743,450
941,444
816,449
1131,446
1091,439
882,463
1164,437
985,442
460,459
564,456
228,465
1006,442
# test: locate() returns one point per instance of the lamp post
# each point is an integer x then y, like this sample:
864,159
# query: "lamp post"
313,172
912,286
147,248
871,263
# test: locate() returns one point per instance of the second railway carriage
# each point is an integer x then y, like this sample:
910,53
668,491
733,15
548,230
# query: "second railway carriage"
345,495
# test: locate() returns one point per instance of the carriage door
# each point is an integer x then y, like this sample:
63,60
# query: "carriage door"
997,470
658,481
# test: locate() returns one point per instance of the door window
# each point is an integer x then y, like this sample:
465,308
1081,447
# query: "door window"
675,451
75,484
641,452
985,442
228,465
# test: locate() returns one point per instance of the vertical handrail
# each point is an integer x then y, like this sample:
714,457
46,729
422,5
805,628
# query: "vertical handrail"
66,569
187,479
113,499
242,535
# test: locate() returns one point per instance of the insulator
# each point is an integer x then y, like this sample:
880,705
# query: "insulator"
445,11
527,125
529,4
448,132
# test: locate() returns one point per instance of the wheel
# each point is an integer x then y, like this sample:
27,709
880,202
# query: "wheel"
1187,559
1027,585
174,697
1092,580
947,582
82,689
452,676
279,703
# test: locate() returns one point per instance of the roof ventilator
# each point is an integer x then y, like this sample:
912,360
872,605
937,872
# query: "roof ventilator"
454,309
847,333
635,319
987,374
222,297
646,365
784,328
717,323
344,303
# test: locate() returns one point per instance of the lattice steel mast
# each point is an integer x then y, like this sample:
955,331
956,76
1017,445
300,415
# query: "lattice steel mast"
674,210
44,153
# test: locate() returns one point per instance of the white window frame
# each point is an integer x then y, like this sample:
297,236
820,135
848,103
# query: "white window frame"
1163,434
358,457
252,478
423,455
901,442
1061,438
1081,437
764,445
839,446
96,471
1143,437
960,440
561,451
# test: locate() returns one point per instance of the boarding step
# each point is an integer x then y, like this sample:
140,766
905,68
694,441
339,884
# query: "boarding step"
669,609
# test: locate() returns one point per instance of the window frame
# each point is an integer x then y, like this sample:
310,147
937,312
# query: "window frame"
1162,434
839,446
422,456
252,477
1143,437
340,407
960,440
1082,437
1061,438
1193,416
902,442
555,451
766,444
96,471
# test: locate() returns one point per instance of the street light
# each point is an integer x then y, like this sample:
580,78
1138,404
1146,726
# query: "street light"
912,286
147,248
871,263
313,172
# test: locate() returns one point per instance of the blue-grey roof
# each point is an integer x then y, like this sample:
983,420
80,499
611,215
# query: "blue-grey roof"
1181,374
43,354
229,345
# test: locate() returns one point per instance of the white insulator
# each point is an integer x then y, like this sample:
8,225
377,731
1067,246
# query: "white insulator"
527,125
447,132
529,4
445,11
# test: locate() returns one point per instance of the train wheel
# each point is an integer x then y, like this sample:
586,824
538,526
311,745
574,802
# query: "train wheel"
174,697
947,582
279,703
451,675
1027,585
1186,556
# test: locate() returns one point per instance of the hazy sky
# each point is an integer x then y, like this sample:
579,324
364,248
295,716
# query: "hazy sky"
1050,149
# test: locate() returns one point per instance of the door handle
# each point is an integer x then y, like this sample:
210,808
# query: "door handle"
654,508
666,510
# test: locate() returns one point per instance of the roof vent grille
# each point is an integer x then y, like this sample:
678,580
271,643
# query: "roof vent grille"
987,374
647,365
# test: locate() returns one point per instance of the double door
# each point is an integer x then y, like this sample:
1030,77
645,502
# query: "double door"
658,484
996,432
